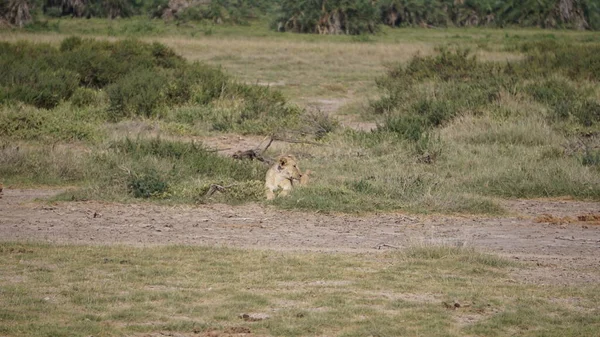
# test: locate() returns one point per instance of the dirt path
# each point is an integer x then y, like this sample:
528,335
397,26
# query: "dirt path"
547,233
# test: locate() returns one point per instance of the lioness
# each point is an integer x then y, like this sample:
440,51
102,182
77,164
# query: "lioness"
281,176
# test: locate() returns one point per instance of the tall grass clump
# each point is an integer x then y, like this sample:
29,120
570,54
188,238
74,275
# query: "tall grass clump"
125,169
504,126
430,91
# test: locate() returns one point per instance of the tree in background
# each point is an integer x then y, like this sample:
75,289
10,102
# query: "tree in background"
328,16
414,12
15,12
578,14
217,11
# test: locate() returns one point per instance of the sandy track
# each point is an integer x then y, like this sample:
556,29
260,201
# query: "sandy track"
547,233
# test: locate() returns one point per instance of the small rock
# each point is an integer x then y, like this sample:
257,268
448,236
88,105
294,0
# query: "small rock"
254,317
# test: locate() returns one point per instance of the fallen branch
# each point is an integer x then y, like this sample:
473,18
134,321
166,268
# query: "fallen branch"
386,245
218,150
248,154
574,239
266,147
217,188
296,141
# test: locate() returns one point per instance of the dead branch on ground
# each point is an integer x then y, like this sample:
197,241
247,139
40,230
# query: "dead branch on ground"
217,188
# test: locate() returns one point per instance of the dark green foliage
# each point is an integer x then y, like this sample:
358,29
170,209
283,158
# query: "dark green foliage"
327,17
358,16
414,12
409,127
44,89
223,11
146,185
140,79
142,94
32,74
233,11
84,97
100,63
92,8
547,14
565,101
462,84
591,158
574,61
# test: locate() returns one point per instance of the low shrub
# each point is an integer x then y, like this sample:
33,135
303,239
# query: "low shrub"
146,185
29,123
83,97
430,91
140,94
140,79
591,158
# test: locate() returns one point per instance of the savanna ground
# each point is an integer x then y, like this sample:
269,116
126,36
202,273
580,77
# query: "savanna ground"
442,257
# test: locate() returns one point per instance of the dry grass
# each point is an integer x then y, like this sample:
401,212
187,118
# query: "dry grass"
425,290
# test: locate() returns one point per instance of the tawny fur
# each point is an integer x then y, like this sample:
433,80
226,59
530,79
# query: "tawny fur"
280,177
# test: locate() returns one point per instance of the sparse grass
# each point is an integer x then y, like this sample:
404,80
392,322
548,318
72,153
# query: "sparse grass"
110,291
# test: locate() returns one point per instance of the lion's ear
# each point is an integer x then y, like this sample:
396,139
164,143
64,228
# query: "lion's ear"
283,161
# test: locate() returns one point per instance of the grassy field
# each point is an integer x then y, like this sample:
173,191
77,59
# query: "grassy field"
517,117
456,132
116,291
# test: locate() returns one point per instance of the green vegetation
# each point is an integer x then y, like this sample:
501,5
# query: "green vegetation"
322,17
114,290
139,79
546,14
141,168
454,131
517,116
360,16
327,17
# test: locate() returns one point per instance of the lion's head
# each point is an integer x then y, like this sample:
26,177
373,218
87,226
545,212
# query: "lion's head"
287,166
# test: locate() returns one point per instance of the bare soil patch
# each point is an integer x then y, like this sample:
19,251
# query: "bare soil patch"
563,252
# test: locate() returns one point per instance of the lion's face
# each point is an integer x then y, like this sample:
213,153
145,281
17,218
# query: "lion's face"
287,166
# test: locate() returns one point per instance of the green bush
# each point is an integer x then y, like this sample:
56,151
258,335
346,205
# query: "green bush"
140,79
21,124
455,83
140,94
591,158
147,185
576,61
409,127
565,101
329,17
29,123
83,97
42,88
